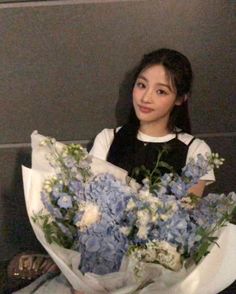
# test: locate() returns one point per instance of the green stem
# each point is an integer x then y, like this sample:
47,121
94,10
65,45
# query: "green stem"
157,162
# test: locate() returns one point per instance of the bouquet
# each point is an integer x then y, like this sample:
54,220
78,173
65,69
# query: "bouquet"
109,234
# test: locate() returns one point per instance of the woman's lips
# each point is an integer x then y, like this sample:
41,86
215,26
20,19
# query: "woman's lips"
145,109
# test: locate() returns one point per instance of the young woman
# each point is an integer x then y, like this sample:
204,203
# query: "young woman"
159,119
161,89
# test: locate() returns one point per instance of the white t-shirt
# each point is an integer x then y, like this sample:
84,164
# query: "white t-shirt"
104,139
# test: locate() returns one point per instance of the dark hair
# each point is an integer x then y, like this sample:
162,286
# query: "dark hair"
179,68
180,71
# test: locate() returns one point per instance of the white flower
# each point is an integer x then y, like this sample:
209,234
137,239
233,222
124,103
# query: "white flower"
215,160
47,188
164,217
132,184
91,215
173,206
64,152
47,185
150,255
144,194
154,218
142,232
167,255
143,217
233,196
125,230
43,143
131,204
78,176
187,202
153,201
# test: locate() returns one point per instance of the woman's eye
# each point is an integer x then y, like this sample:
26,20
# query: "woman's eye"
161,92
140,85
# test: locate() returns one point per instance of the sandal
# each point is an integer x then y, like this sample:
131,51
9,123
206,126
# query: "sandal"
29,266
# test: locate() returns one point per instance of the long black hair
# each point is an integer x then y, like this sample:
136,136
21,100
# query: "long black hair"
180,71
179,68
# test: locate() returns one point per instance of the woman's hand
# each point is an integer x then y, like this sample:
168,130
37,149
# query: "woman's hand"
198,189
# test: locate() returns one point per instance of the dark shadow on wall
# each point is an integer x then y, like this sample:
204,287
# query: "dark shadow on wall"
124,103
17,232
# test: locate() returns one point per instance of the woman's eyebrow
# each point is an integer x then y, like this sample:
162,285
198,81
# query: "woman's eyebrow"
159,84
142,77
164,85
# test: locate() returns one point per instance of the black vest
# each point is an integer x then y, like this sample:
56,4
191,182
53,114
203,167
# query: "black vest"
139,153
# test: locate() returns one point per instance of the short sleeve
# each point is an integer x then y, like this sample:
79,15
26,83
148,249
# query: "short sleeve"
102,144
200,147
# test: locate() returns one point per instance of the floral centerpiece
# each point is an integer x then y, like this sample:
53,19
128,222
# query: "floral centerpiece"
128,237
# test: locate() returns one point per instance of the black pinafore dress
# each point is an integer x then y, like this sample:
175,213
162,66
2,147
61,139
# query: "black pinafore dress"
146,154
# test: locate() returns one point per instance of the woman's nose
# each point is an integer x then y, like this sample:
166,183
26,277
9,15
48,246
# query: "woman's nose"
147,96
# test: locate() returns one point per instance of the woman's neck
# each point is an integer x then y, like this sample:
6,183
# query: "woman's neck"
153,130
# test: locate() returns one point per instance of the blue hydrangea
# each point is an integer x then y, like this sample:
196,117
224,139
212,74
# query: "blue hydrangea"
102,245
110,195
102,248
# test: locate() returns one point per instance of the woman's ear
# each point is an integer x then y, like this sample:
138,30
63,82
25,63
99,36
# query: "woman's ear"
181,100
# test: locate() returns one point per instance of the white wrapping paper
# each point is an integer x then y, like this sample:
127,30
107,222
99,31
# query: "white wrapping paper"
214,273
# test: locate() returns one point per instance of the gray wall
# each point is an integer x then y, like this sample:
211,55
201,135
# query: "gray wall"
62,67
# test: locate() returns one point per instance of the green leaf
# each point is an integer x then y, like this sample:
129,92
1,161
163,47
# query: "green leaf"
165,165
232,218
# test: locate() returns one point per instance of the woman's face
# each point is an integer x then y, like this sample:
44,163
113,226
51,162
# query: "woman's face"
154,96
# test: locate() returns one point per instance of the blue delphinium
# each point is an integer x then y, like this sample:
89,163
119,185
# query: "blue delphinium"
76,188
196,168
190,175
52,209
64,201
